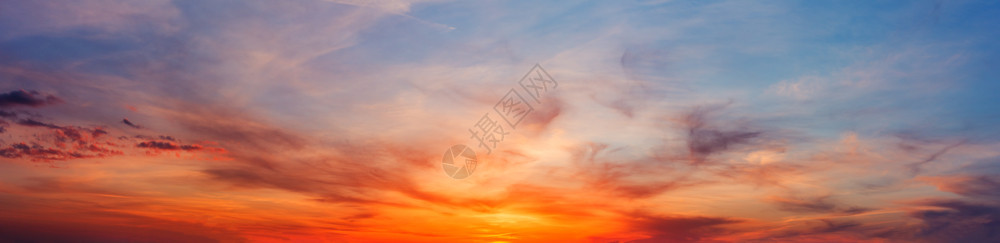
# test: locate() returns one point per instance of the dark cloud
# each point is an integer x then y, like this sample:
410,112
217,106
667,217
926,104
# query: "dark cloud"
155,147
97,132
814,205
36,152
959,222
544,114
67,133
129,123
8,114
678,228
951,221
72,142
819,204
102,226
705,138
916,167
63,143
33,123
15,150
165,145
218,124
831,226
26,98
72,134
251,178
160,137
821,230
628,178
646,176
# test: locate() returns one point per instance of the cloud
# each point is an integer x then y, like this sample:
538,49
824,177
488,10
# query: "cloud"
681,166
948,221
916,167
71,142
64,143
33,123
160,137
98,131
252,178
959,222
974,186
392,6
61,143
822,230
814,205
167,145
771,174
331,177
633,179
678,228
129,123
27,98
802,89
8,114
41,153
31,18
36,223
705,138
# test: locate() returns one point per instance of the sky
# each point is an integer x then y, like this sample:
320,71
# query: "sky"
499,121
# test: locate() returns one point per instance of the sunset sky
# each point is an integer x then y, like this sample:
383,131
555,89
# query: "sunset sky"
659,121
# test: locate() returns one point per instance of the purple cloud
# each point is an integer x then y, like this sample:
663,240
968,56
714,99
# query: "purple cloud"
27,98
